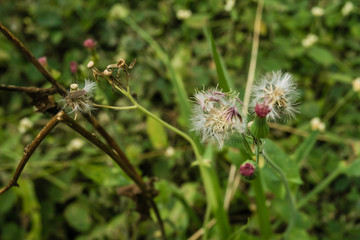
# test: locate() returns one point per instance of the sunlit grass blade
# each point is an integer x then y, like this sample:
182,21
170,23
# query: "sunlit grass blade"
223,77
213,193
175,78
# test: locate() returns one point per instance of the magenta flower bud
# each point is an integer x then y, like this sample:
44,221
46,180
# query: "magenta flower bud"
249,170
43,61
262,110
73,67
89,43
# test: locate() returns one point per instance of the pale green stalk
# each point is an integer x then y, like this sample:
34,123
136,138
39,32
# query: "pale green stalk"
289,196
165,124
254,53
338,105
175,78
115,108
262,210
206,220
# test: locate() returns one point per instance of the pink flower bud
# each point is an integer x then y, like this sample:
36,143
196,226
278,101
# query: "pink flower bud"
262,109
73,67
43,61
247,169
89,43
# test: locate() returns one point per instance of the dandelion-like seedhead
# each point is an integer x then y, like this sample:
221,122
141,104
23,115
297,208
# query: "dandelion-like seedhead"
216,116
278,91
79,100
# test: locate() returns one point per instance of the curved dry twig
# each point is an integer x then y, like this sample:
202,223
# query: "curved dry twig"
29,150
17,43
113,151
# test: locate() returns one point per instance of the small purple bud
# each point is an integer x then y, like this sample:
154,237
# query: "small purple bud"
89,43
43,61
73,67
249,170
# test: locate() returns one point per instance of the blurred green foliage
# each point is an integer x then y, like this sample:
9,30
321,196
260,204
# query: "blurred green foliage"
69,189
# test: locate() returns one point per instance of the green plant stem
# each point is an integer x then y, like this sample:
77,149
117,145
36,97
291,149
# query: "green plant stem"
208,174
321,186
289,196
206,220
115,108
338,105
262,210
165,124
174,129
175,78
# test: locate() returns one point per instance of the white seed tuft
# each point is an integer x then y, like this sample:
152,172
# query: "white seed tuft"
279,92
216,116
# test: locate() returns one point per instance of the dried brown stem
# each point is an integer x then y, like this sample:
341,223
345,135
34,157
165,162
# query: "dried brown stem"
29,150
122,161
32,59
119,157
93,139
31,90
111,142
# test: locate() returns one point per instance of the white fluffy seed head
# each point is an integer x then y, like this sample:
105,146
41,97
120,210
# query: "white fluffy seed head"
216,116
79,100
278,90
89,87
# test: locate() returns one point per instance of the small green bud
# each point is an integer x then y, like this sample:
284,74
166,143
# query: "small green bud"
260,128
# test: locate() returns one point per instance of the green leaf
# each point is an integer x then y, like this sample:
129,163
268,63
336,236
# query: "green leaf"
283,161
321,55
7,201
304,149
175,78
12,231
213,192
224,80
31,207
353,170
77,215
299,234
197,21
104,175
156,133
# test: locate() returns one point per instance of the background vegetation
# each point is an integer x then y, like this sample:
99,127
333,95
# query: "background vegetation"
70,190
